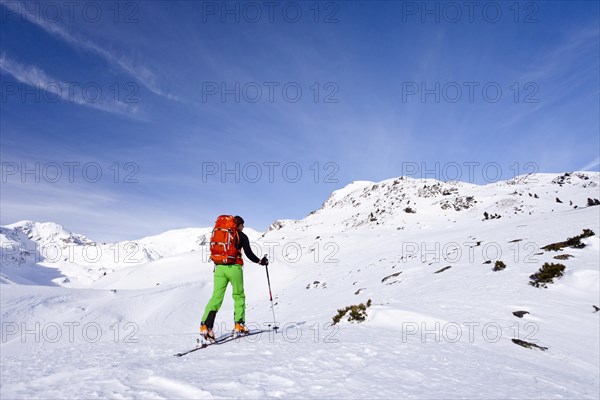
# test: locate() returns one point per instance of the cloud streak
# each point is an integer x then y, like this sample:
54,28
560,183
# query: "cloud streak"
592,164
142,74
57,89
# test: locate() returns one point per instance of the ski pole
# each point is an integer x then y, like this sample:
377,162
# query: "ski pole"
271,295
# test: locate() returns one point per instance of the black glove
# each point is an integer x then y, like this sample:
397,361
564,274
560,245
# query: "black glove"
264,261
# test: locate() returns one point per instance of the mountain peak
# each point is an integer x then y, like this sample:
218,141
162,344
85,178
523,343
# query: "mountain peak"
44,232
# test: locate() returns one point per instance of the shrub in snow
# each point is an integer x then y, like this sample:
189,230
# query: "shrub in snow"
358,313
546,274
574,242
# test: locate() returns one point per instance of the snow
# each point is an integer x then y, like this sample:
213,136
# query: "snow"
426,335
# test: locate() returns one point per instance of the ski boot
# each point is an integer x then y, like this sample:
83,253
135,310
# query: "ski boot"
207,334
239,329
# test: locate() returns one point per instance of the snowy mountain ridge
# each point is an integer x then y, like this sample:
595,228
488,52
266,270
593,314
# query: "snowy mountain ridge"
404,202
27,244
401,204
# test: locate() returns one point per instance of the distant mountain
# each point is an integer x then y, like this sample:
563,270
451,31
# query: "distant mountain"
27,246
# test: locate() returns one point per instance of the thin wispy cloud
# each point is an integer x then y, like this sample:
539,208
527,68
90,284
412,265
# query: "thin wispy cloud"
591,165
559,62
57,89
140,73
563,68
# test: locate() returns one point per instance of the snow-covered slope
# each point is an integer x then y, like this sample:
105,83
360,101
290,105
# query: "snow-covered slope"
430,332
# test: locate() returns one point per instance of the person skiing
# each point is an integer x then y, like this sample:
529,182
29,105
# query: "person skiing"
230,272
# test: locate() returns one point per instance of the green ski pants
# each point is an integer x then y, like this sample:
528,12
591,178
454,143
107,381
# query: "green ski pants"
223,275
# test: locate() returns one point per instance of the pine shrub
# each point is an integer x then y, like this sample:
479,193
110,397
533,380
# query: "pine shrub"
574,242
546,274
358,313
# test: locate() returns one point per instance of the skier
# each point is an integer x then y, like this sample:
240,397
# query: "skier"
225,273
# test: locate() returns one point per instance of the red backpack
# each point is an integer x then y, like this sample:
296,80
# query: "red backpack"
224,241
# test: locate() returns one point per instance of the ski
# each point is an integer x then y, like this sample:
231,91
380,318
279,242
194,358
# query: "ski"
189,351
229,337
205,344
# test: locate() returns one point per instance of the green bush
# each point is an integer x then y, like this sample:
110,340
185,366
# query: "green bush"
499,266
573,242
546,274
358,313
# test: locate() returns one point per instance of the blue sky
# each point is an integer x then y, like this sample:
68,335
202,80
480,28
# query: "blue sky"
144,93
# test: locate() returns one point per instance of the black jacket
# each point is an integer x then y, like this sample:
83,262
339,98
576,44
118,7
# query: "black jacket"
244,243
